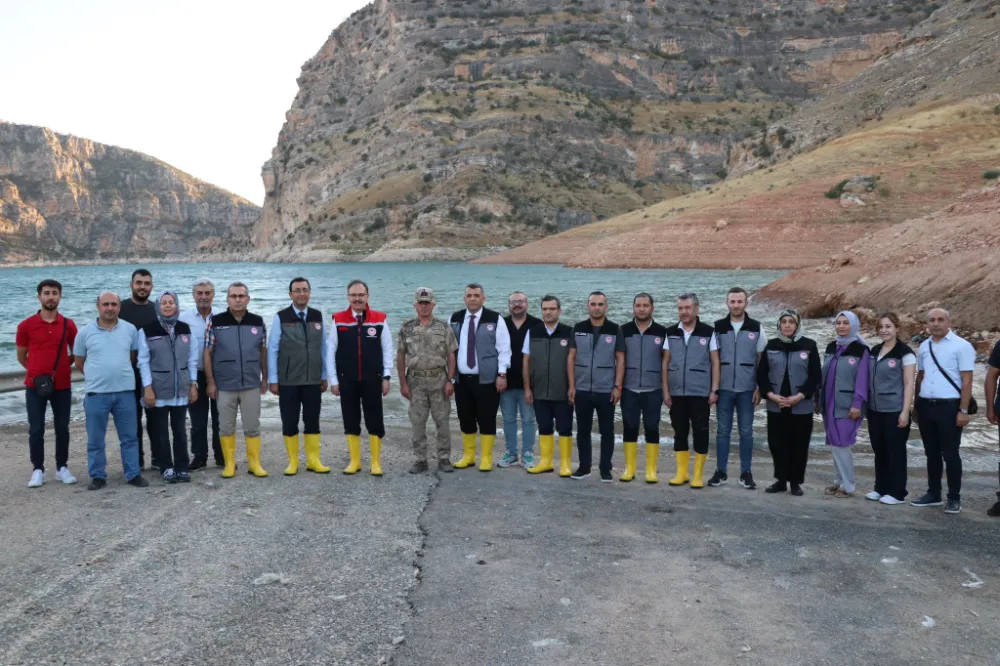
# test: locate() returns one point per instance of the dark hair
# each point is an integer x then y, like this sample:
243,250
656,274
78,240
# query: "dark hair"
739,290
354,282
549,297
642,294
301,279
689,296
894,318
49,283
475,285
140,271
597,293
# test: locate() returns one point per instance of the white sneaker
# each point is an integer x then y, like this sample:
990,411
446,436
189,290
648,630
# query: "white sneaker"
889,499
65,476
873,496
37,479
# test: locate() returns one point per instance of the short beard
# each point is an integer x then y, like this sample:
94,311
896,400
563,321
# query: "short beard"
50,308
139,299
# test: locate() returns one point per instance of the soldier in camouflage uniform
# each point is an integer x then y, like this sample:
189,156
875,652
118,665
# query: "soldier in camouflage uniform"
425,361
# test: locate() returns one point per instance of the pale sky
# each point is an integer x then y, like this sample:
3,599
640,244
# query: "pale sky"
200,84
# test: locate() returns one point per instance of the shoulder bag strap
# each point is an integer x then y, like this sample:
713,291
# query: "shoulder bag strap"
930,345
62,343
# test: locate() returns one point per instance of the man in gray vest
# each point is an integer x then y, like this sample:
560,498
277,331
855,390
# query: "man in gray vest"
483,360
296,360
596,369
642,395
546,385
741,343
690,386
236,367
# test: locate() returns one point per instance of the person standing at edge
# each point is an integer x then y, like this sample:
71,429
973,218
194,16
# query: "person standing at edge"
789,373
993,408
741,343
842,398
690,386
359,367
197,320
545,376
45,350
168,363
596,369
296,361
512,399
426,364
483,360
105,352
891,381
236,371
642,394
139,311
945,364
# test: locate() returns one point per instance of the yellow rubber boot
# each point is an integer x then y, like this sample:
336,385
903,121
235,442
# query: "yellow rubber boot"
292,446
565,457
486,459
253,457
228,445
631,450
376,445
547,447
683,459
699,468
652,455
354,448
469,447
313,463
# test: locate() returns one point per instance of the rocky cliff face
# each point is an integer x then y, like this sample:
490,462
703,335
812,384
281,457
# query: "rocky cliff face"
484,122
67,198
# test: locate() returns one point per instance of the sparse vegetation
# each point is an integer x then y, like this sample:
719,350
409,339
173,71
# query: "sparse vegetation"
835,191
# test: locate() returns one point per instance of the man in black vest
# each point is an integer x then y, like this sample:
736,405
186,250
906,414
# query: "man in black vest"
483,360
741,342
297,363
642,395
513,400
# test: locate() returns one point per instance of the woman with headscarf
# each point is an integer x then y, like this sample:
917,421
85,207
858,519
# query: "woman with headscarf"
168,365
842,398
788,375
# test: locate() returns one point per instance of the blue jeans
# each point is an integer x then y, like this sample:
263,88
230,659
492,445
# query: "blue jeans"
121,405
511,401
742,402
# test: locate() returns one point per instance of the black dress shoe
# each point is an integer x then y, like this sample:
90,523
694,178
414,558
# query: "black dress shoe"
138,481
197,463
776,487
97,484
797,490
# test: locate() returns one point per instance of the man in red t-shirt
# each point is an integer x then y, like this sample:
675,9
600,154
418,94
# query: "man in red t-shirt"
45,347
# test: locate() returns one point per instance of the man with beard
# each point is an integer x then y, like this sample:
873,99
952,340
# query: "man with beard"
139,311
513,399
44,343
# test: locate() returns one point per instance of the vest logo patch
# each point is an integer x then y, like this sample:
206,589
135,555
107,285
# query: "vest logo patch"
852,361
184,338
703,341
564,342
752,336
656,341
489,327
371,332
318,326
803,355
892,363
254,330
608,339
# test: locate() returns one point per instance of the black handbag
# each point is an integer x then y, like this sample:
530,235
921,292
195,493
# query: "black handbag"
973,405
45,385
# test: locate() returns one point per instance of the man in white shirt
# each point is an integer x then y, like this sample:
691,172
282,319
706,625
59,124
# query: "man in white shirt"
198,319
945,364
483,360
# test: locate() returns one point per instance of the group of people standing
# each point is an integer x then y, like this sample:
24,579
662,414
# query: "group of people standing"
147,357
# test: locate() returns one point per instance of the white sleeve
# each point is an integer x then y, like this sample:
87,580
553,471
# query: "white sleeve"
909,360
526,347
920,357
761,342
503,346
967,358
331,356
387,354
713,344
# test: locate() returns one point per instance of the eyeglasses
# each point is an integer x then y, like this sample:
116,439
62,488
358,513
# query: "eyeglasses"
519,301
238,297
356,295
300,291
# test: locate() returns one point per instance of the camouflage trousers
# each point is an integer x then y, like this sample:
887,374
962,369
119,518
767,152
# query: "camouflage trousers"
427,398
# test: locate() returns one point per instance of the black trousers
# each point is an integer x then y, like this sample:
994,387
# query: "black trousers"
355,397
889,444
307,401
60,401
477,405
138,424
159,434
586,404
647,405
200,411
560,411
689,414
788,438
942,437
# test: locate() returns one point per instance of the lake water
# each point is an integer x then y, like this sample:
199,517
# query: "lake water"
391,290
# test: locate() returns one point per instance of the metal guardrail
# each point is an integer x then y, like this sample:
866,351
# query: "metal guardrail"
14,381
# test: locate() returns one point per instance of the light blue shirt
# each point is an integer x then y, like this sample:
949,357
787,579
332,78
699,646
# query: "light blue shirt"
147,376
955,355
198,328
108,354
274,342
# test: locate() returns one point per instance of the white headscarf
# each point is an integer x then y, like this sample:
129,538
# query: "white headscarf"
844,340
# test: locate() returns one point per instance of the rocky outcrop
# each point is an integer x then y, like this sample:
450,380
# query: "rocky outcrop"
464,124
63,198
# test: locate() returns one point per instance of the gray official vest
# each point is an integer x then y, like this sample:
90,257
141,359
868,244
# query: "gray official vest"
844,381
487,358
886,386
690,369
595,362
236,355
643,357
549,354
796,363
300,349
168,359
738,354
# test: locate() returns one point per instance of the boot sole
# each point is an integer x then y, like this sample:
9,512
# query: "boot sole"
541,471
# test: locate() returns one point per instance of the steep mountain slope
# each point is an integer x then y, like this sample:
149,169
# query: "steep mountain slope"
67,198
463,123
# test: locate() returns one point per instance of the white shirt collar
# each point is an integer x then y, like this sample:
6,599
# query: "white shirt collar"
468,313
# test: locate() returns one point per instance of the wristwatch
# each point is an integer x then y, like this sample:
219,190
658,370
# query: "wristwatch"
964,411
618,388
502,375
386,378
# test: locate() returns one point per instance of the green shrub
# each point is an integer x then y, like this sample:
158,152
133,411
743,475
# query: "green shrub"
835,191
992,174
